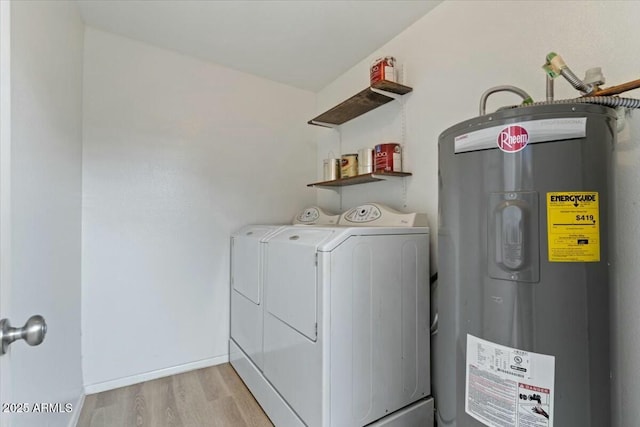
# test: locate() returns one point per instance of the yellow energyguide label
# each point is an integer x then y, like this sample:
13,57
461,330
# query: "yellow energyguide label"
573,226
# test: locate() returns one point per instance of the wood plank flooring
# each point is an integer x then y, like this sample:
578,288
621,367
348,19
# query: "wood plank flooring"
213,397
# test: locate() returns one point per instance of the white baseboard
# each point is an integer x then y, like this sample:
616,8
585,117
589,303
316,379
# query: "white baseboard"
152,375
77,408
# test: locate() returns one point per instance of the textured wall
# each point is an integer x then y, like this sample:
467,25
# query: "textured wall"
178,153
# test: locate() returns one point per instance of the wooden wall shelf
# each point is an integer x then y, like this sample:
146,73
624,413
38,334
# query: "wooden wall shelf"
360,179
362,102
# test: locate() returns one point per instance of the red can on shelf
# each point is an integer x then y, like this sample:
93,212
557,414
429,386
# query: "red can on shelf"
388,157
383,69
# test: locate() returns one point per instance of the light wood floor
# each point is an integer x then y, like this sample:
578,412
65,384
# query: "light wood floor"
213,396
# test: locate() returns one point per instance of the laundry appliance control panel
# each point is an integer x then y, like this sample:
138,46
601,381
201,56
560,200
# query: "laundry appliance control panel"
378,215
314,215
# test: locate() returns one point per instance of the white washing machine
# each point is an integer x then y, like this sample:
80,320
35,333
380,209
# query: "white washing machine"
345,338
247,267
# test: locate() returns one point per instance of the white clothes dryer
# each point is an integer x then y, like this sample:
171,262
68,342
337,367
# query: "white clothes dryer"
247,267
346,338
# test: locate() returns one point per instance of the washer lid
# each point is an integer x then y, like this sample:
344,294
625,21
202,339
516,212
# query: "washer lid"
257,232
301,237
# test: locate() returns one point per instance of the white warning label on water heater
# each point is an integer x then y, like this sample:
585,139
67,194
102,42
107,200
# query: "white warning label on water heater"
508,387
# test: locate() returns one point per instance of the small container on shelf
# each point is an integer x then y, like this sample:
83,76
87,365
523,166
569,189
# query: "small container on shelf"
383,69
331,169
388,157
349,167
365,160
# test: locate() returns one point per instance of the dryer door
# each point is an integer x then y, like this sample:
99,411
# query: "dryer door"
292,351
246,261
291,287
246,295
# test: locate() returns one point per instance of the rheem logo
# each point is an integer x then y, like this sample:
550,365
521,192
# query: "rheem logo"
513,139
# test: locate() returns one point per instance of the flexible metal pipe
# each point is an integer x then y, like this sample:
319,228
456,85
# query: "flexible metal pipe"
504,88
609,101
555,66
549,89
575,81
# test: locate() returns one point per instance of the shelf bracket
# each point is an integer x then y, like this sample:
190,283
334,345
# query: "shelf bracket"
334,188
383,177
386,93
323,124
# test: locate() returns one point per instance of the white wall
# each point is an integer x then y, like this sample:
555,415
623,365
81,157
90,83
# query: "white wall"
46,154
455,53
178,153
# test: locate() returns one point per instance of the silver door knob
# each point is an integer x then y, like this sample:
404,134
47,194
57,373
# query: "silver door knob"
32,332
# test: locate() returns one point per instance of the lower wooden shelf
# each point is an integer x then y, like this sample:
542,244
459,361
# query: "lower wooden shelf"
360,179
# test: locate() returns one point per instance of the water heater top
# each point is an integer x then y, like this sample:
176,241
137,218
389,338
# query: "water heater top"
524,114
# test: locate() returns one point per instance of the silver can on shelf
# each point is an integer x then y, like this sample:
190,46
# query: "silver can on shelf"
365,160
331,169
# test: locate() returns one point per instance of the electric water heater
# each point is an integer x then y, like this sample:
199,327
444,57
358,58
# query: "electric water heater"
522,335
